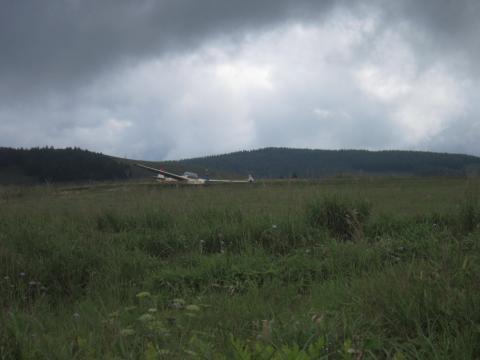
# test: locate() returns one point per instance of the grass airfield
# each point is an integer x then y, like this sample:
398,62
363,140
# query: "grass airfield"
342,268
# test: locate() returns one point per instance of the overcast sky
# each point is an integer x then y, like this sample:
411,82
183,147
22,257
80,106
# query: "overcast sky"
169,79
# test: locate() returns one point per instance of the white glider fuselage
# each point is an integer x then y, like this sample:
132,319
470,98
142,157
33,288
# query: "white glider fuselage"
188,177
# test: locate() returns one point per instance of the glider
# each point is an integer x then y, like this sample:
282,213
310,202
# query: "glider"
190,177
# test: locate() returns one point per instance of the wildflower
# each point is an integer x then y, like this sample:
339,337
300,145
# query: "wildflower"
146,317
158,327
76,315
178,303
274,226
317,319
222,246
152,310
143,294
266,329
192,308
127,332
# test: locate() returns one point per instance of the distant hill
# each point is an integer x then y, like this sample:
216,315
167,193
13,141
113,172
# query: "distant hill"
23,166
305,163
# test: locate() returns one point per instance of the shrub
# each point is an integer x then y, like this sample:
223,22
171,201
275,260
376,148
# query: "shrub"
343,219
469,216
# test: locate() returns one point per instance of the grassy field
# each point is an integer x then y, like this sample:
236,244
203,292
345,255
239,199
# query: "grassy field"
344,268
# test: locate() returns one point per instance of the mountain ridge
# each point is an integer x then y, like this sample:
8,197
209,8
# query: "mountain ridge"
274,162
73,164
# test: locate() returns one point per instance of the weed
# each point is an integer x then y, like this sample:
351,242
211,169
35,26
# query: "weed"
469,215
343,218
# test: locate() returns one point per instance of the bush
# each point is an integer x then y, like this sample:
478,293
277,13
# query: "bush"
343,219
469,216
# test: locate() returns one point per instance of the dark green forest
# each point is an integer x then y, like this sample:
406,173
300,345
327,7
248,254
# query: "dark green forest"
306,163
59,165
73,164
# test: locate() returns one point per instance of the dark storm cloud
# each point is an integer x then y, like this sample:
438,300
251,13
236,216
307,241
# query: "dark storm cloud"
451,23
154,79
59,44
442,30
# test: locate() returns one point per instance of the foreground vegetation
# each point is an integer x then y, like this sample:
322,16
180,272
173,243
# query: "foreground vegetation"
346,268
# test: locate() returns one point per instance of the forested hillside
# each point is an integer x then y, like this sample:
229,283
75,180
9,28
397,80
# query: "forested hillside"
58,165
305,163
73,164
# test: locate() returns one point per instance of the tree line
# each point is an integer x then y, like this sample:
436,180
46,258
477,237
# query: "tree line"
48,164
307,163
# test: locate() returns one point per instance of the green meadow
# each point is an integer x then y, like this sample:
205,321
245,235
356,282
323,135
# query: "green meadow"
341,268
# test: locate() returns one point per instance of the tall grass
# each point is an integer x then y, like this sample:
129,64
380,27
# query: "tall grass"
283,271
343,218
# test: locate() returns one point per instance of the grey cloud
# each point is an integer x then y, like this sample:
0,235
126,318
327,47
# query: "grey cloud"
60,44
136,78
444,30
454,21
